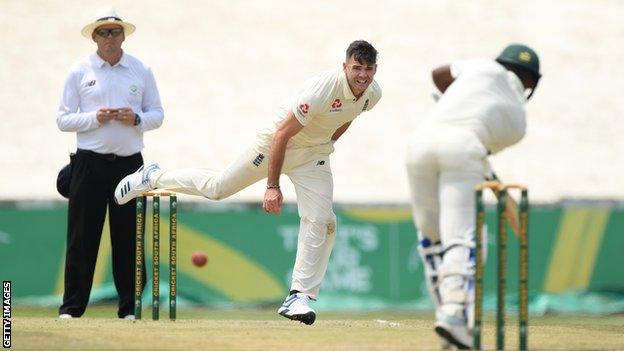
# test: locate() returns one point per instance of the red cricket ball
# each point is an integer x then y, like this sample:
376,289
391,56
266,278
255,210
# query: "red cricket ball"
199,258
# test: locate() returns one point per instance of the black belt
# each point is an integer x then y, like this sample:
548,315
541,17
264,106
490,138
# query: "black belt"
106,157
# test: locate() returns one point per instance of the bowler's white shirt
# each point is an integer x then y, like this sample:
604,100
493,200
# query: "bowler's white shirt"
323,105
93,83
486,98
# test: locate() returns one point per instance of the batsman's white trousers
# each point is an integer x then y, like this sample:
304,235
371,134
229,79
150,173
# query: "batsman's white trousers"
309,170
444,164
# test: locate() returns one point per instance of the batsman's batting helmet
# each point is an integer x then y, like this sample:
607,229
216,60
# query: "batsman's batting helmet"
521,56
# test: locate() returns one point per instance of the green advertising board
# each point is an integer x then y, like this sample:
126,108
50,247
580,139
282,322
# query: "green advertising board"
374,263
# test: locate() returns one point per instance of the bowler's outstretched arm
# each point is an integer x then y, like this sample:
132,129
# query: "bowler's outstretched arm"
286,130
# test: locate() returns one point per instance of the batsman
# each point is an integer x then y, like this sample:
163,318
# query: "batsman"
480,113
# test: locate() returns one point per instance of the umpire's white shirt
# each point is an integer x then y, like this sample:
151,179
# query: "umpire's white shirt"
324,104
93,83
486,98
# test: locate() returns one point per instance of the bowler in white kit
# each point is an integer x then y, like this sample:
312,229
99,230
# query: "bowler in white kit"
298,144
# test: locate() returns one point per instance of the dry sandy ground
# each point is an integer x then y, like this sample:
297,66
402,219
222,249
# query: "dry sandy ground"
264,330
223,66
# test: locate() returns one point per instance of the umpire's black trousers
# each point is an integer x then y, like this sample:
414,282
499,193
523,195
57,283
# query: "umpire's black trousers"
93,180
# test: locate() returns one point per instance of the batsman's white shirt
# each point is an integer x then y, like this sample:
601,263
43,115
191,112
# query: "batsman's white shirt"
486,99
323,105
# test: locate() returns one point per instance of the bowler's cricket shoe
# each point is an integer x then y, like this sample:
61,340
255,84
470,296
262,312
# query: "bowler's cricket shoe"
135,184
296,307
454,330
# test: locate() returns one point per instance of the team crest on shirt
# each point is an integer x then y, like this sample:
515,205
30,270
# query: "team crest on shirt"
336,106
134,90
304,108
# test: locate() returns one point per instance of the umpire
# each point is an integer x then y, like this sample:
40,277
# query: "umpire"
109,100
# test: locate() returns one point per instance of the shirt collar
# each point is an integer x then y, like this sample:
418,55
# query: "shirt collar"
124,61
516,86
96,60
99,62
346,90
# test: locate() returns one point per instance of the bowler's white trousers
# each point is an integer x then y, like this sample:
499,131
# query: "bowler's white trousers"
309,170
443,165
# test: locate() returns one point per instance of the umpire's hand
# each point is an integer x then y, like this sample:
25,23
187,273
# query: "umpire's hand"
104,115
126,116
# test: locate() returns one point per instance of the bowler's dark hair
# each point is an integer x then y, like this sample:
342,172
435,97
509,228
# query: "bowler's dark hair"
362,51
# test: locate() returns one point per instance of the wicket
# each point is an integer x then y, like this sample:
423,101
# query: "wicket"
141,204
500,190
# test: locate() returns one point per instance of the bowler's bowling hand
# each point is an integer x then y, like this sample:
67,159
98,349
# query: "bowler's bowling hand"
272,200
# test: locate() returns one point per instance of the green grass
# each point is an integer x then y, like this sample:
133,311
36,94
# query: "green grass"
259,329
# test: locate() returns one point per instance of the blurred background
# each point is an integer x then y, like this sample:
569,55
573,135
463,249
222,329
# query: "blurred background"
222,67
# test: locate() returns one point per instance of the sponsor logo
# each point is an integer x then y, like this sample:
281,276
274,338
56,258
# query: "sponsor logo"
6,314
258,160
320,163
292,298
304,108
336,106
90,83
125,189
365,105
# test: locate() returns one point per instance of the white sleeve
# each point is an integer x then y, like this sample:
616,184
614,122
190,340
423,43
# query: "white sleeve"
68,118
310,100
152,113
461,66
457,67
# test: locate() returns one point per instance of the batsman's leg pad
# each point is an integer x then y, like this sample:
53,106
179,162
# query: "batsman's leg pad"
457,278
456,273
431,255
